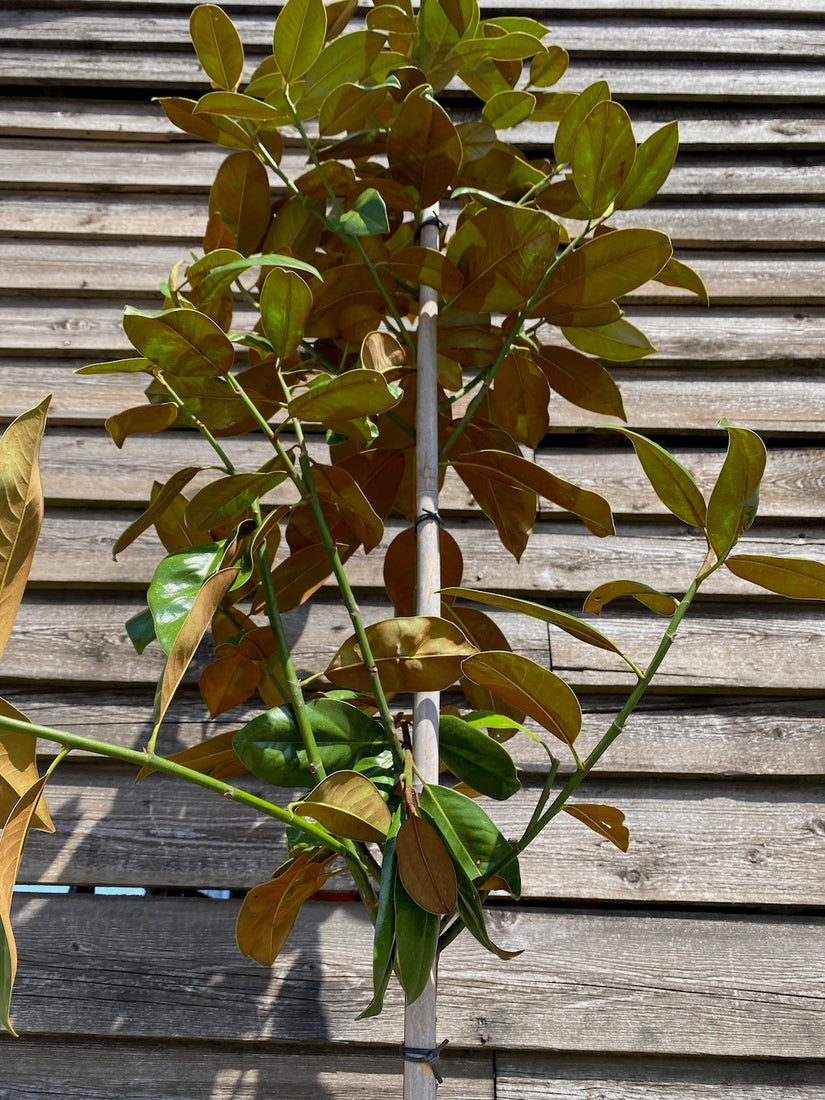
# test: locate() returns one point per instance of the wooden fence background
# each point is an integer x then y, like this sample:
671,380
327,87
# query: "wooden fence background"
693,966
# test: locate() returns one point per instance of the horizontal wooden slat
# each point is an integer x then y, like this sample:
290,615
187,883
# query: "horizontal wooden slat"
94,1069
83,466
692,842
129,268
744,986
669,735
556,1077
701,126
179,167
629,35
766,648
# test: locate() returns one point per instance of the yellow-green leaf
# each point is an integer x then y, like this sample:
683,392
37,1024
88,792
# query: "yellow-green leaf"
506,109
18,769
654,160
349,806
180,341
269,911
603,153
797,578
675,273
580,380
425,867
607,821
354,394
238,106
140,419
735,497
285,304
534,690
549,67
601,596
298,39
21,509
619,341
223,501
217,45
573,117
671,482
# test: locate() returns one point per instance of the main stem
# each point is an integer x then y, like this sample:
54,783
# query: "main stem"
420,1017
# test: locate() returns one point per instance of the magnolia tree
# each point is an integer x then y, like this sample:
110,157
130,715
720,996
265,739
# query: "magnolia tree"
416,294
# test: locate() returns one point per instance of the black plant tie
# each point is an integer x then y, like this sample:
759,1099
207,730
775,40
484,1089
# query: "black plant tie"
422,517
425,1056
432,220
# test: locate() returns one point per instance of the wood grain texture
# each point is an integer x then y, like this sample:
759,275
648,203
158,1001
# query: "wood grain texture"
558,1077
745,986
785,9
99,1069
692,842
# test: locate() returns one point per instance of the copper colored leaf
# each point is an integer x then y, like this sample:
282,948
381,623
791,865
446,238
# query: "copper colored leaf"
217,45
607,821
269,911
142,418
160,502
349,806
214,756
220,131
797,578
400,567
600,597
536,691
240,194
334,484
18,768
21,509
580,380
423,147
591,508
510,507
425,867
12,841
424,266
227,682
297,577
521,394
418,653
381,351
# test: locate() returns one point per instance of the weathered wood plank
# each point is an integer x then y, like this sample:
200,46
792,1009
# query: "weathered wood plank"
82,466
677,984
96,268
692,842
630,35
556,1077
73,638
668,735
701,126
94,1069
180,167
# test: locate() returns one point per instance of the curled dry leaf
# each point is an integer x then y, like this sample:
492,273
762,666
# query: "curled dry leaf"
607,821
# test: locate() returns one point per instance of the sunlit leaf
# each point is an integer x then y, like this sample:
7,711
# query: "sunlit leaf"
507,109
214,128
573,117
511,508
214,756
285,304
238,106
175,586
18,769
797,578
591,508
675,273
472,838
417,653
269,911
605,593
170,490
335,484
654,160
217,45
607,821
354,394
349,59
272,748
142,418
240,194
224,274
549,67
347,805
580,380
424,266
416,942
349,108
21,509
603,153
474,757
180,341
425,867
12,841
618,341
735,498
520,396
672,483
536,691
118,366
300,30
227,682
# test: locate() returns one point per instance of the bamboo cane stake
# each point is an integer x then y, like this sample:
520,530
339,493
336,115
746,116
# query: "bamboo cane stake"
420,1017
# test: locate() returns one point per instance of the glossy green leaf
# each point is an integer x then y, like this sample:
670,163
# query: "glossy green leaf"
476,759
416,943
580,380
354,394
347,805
735,498
180,341
418,653
425,867
175,586
591,508
471,912
603,153
271,746
601,596
654,160
607,821
677,274
619,341
217,45
226,500
366,216
672,483
536,691
568,623
141,630
139,420
507,109
797,578
472,838
573,117
298,39
383,944
21,509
